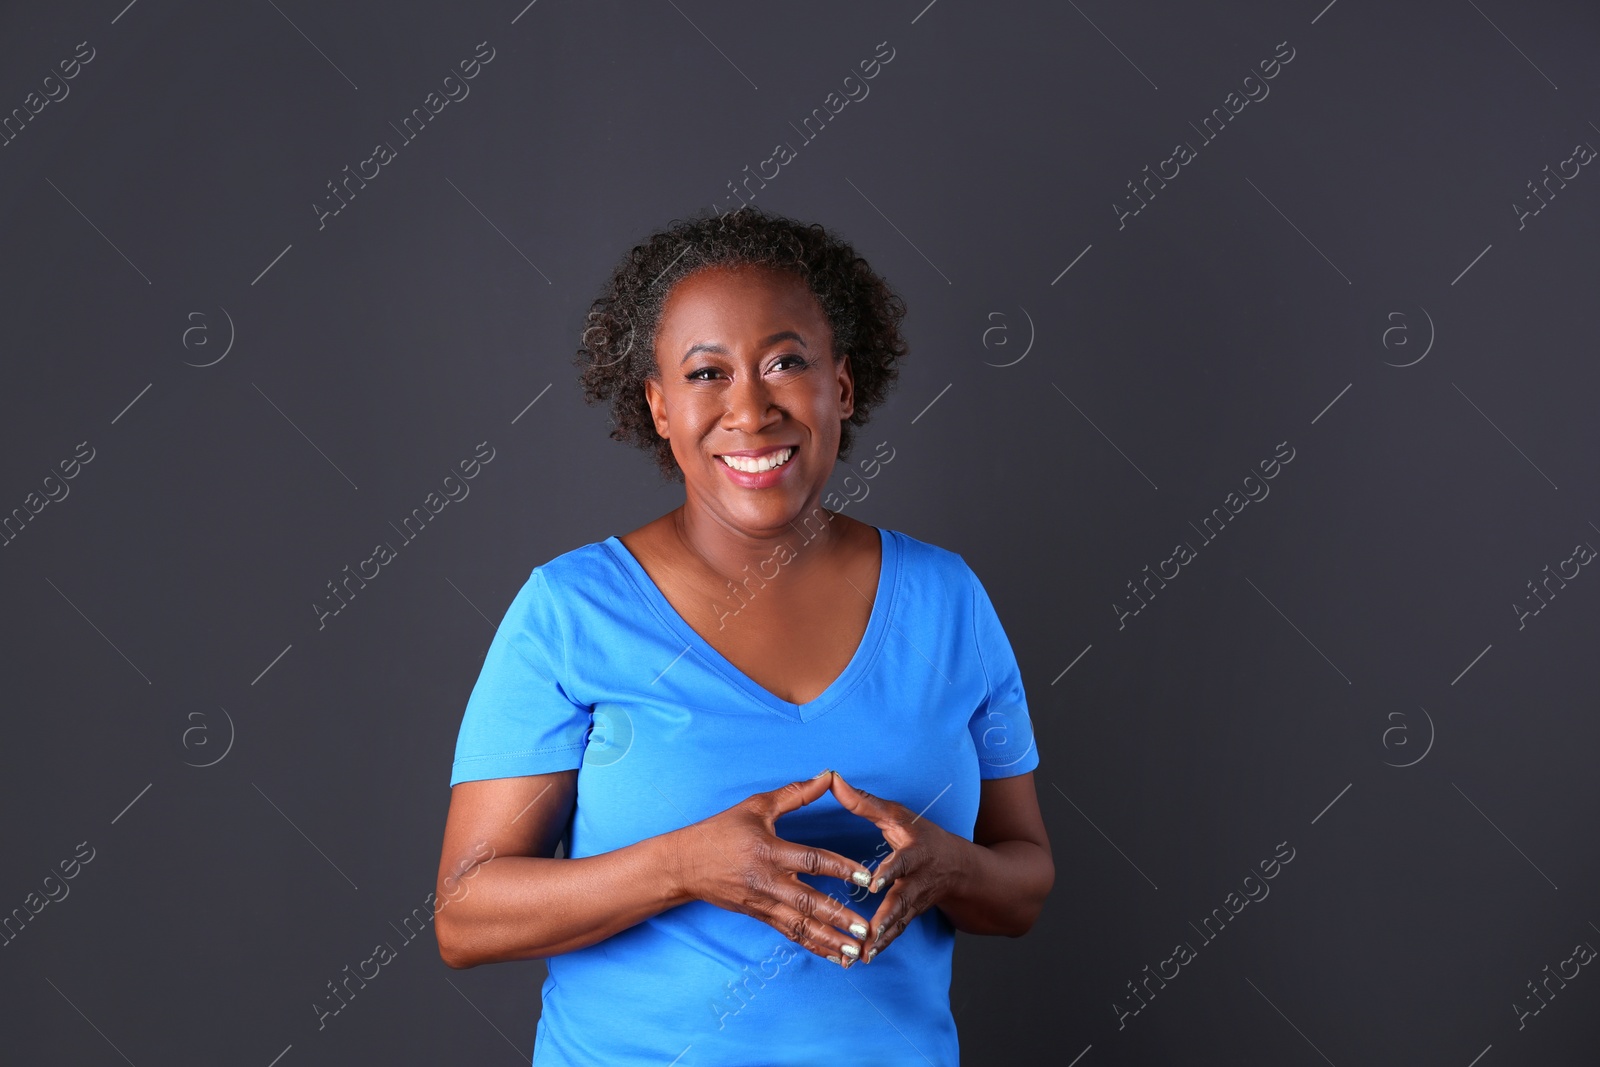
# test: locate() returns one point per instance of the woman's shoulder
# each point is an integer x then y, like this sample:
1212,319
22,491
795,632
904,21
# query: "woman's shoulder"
588,573
925,556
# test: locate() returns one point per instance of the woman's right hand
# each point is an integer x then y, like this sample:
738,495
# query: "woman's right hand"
736,860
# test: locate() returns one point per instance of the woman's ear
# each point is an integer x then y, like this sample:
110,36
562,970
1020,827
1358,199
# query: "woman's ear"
847,387
657,400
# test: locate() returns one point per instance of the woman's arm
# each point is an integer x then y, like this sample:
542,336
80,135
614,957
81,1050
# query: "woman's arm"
994,884
1008,870
502,895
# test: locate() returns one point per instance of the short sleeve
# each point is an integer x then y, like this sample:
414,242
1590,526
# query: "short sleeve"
519,718
1002,731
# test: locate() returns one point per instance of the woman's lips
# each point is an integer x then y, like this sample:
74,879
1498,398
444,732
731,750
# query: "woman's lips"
758,479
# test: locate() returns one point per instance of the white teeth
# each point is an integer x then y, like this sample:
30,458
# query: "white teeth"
758,464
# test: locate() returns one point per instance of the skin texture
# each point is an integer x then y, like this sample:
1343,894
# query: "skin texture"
769,376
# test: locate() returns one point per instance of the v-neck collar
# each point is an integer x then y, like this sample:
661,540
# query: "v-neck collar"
860,662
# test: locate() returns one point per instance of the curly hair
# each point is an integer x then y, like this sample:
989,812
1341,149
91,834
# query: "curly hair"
617,350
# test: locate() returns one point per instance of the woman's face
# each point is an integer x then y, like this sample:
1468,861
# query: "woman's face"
746,371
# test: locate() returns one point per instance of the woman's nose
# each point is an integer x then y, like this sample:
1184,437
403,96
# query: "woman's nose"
750,405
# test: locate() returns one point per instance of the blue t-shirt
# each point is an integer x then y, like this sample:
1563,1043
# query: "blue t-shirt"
592,668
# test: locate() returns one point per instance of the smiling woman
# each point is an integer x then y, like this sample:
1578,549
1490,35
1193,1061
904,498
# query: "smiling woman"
743,352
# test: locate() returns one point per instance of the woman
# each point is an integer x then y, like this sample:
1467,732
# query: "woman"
661,702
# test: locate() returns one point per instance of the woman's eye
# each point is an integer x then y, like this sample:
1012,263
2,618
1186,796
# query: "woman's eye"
694,375
799,361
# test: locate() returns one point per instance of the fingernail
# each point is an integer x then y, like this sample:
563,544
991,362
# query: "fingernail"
836,959
850,950
860,877
877,885
859,929
871,952
825,770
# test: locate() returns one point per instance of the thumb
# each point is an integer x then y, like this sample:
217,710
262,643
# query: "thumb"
797,794
858,802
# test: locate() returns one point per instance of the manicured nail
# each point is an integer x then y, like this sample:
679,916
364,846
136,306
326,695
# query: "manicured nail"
850,950
836,959
859,929
871,952
877,885
826,770
860,877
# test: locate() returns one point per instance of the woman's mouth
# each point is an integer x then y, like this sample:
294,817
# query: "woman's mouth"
758,472
757,464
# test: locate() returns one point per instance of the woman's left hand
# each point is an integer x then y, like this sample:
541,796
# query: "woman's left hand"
926,863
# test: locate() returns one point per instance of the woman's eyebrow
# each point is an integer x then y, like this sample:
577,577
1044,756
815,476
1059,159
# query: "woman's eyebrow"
766,342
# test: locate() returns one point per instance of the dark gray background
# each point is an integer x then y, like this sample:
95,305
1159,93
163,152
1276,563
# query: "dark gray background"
1360,616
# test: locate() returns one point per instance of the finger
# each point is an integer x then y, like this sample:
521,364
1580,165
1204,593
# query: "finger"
803,859
881,812
893,866
890,921
810,933
789,797
811,901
